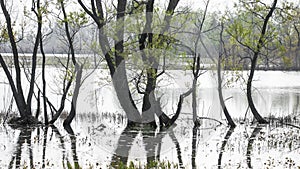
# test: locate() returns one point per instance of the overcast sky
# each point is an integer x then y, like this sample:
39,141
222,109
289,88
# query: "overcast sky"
214,5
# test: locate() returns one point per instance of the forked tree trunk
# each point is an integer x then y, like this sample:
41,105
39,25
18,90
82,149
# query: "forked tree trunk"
120,82
115,60
147,108
68,120
24,106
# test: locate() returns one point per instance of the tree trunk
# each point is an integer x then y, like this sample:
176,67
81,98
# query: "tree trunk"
297,58
253,109
194,102
221,98
78,70
148,109
17,89
179,106
254,62
44,81
38,37
120,83
62,103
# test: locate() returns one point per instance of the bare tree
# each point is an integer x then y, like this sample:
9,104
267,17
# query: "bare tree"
24,105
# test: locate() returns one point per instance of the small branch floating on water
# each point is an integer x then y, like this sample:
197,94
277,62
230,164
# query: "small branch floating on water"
208,118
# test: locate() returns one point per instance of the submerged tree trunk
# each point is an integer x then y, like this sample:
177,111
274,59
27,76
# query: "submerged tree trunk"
221,98
120,83
148,108
259,46
78,69
253,109
24,106
44,81
39,17
71,133
116,58
194,102
68,120
15,86
62,102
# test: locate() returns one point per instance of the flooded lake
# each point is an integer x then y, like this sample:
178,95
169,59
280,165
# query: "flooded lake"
100,138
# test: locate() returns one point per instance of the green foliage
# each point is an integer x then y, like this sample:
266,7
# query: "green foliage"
69,165
245,27
77,19
4,37
287,61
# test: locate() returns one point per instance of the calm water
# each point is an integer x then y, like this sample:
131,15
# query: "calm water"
100,139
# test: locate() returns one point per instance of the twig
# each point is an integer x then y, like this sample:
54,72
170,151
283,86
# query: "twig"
208,118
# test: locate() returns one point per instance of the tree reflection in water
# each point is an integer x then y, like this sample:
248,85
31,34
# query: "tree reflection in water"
61,143
24,136
194,147
224,142
152,143
250,144
24,140
34,146
70,131
44,146
124,144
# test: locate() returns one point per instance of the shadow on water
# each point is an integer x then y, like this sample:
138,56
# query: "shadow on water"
224,142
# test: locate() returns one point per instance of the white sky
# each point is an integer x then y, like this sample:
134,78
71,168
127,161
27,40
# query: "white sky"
214,5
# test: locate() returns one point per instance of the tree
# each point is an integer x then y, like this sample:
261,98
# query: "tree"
244,36
116,56
78,68
71,24
220,59
24,105
199,42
